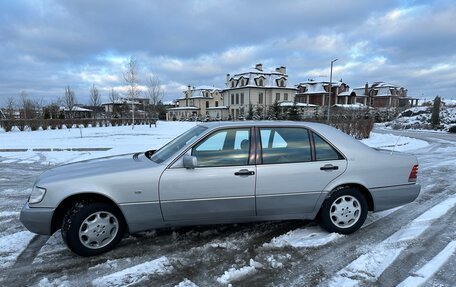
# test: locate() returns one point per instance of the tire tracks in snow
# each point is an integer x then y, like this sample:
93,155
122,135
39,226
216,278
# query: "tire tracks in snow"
315,264
368,267
22,268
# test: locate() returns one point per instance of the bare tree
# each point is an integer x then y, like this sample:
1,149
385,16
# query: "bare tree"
130,75
38,105
52,110
114,99
70,100
27,106
95,99
113,96
10,105
155,94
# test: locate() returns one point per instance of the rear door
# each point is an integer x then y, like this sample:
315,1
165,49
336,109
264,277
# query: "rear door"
295,166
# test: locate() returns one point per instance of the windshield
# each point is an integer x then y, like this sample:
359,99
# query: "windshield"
176,144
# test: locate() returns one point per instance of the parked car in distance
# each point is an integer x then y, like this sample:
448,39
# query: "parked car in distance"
221,172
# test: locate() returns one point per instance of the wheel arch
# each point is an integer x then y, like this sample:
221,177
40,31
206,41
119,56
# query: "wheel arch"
69,201
361,188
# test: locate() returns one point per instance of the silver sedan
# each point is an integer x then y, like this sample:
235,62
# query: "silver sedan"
221,173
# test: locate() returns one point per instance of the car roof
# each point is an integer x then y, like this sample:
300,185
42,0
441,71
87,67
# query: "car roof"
212,125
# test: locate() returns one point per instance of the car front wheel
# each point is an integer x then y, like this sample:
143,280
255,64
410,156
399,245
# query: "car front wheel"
344,211
92,228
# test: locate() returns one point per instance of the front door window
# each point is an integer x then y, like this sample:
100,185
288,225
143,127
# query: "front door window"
229,147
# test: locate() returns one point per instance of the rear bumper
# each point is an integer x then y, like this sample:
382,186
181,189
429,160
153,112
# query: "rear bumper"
37,219
393,196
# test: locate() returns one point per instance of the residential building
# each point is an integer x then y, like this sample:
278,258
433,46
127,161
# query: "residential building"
258,88
383,95
122,107
76,112
315,92
202,102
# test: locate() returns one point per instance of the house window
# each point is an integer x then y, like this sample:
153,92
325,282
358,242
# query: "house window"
233,84
282,83
242,98
285,97
237,99
260,82
260,98
232,99
207,104
277,96
216,103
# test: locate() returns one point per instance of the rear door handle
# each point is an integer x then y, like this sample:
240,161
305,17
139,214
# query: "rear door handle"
244,172
329,167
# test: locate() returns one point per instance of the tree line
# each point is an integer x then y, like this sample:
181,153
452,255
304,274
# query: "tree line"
24,107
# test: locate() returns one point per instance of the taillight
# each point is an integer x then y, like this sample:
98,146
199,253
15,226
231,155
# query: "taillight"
413,173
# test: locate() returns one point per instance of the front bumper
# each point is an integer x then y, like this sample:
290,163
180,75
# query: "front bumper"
37,219
394,196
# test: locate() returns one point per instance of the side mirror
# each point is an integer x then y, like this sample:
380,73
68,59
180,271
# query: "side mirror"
190,161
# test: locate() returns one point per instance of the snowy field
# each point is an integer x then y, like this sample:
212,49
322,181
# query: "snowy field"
411,245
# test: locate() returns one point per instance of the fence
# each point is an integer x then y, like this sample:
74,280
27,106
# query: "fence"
35,124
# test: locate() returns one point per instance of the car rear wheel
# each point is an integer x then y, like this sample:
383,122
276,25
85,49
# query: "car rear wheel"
92,228
344,211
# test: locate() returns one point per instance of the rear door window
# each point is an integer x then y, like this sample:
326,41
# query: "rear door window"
324,151
285,145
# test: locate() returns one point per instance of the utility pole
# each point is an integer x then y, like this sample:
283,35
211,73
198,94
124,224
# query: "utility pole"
330,88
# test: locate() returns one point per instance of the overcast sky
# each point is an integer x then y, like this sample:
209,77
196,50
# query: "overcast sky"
46,45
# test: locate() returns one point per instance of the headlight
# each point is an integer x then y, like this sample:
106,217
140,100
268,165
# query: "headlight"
37,194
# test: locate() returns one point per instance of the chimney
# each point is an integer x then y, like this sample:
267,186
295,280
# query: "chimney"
227,80
259,67
366,89
281,69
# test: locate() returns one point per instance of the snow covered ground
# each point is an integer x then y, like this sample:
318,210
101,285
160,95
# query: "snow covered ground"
409,245
76,144
420,117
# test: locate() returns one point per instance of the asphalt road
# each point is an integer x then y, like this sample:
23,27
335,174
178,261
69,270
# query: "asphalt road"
203,254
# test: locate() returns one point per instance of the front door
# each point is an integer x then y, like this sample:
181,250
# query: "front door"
221,186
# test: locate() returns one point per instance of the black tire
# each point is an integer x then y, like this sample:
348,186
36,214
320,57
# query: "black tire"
344,211
111,227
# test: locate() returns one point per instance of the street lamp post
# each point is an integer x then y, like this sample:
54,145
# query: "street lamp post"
330,87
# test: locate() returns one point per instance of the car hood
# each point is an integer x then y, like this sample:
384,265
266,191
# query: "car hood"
95,167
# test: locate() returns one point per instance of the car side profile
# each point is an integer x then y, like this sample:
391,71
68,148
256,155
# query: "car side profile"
221,172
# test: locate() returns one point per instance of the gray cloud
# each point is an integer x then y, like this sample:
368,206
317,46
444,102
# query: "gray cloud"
46,45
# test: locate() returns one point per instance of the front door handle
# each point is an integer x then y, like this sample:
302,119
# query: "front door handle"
329,167
245,172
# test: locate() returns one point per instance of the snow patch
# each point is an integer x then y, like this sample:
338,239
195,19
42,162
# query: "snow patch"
234,274
109,264
11,246
8,213
59,282
303,237
186,283
277,260
429,269
136,274
54,245
393,142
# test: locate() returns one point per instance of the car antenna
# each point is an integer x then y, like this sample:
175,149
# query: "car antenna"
400,135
